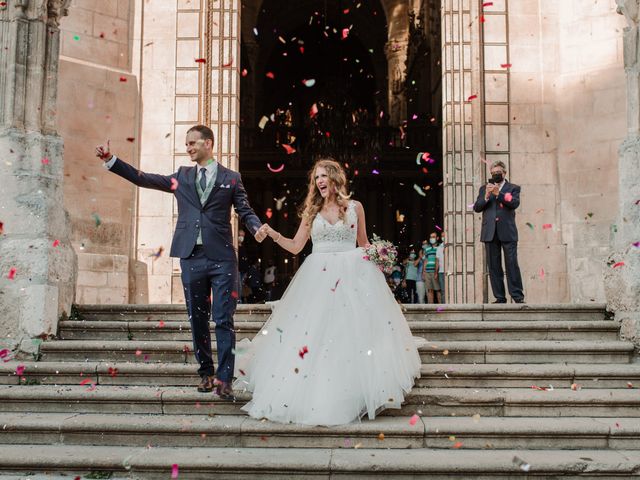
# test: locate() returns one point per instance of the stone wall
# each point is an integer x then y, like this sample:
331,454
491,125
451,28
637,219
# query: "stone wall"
98,100
567,119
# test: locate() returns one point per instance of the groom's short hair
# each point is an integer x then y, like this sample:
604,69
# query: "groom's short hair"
205,132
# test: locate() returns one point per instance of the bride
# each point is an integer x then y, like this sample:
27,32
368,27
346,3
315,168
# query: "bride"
336,346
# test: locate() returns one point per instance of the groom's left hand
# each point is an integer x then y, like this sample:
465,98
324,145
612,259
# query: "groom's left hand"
261,234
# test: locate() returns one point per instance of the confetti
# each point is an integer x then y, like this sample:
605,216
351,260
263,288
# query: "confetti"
445,352
4,355
414,419
618,264
541,273
1,228
309,83
161,324
375,172
289,149
88,381
476,417
269,213
530,225
303,351
234,294
275,170
123,79
547,226
314,110
138,353
20,370
457,445
228,64
575,386
113,372
419,190
12,273
76,38
508,197
487,4
245,72
505,65
270,75
174,470
635,244
263,122
56,243
174,184
45,161
131,139
201,60
472,97
524,466
158,253
345,33
629,385
334,288
381,436
535,387
439,228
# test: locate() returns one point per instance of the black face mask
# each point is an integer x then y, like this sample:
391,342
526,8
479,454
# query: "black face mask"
497,178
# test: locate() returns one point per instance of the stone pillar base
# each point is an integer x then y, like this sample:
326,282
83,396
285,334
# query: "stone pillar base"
35,241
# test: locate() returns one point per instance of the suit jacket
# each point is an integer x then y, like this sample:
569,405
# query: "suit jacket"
214,217
499,214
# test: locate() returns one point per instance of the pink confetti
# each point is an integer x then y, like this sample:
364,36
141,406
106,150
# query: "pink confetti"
12,273
303,351
45,161
113,372
618,264
245,72
547,226
487,4
314,110
472,97
160,324
440,309
174,470
414,419
375,172
635,244
508,197
334,288
20,370
56,243
505,65
228,64
201,60
275,170
541,273
269,213
345,33
174,184
4,355
1,228
138,352
438,227
271,75
123,79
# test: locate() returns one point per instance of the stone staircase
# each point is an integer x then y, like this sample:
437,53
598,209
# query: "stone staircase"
506,391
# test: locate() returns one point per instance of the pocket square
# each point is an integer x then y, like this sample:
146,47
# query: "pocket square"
225,186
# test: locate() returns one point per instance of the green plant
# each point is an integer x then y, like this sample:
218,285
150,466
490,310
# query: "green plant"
99,475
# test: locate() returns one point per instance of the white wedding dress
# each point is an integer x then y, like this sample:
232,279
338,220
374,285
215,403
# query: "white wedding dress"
360,356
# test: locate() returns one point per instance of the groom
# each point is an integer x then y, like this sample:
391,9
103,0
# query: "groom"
203,242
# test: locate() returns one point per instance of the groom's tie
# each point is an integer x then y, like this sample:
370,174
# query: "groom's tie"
203,179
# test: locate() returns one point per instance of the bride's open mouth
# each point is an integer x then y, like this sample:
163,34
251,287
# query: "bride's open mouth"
323,189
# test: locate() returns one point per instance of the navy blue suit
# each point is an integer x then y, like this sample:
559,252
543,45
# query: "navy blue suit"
499,232
209,271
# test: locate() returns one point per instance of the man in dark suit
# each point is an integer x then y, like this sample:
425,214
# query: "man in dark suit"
498,200
203,242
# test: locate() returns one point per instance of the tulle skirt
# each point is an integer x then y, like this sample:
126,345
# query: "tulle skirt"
335,348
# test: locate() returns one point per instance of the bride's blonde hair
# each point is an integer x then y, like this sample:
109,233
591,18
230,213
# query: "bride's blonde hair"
337,182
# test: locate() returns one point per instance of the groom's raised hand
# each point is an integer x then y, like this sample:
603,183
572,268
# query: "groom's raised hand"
104,152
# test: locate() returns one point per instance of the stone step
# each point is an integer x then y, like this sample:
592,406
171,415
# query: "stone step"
505,402
511,351
383,432
433,330
432,375
442,313
304,463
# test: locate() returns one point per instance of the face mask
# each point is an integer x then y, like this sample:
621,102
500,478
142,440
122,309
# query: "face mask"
444,240
240,239
497,177
432,241
412,256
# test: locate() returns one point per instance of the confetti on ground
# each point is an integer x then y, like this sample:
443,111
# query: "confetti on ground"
618,264
413,420
56,243
76,38
445,352
524,466
5,355
439,309
381,436
476,417
535,387
629,385
547,226
275,170
97,219
289,149
174,470
635,244
419,190
334,288
45,161
113,372
303,351
575,386
20,370
541,273
457,445
138,353
174,184
12,273
309,83
530,225
160,324
88,381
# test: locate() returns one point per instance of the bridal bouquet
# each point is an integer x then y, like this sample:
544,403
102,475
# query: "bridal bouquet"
382,253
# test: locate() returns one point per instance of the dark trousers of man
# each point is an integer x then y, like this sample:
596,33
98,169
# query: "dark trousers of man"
496,274
411,288
205,280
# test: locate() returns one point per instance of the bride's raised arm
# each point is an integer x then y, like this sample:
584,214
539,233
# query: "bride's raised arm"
295,244
363,240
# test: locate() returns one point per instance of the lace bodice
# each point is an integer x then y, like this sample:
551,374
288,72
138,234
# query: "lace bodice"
339,237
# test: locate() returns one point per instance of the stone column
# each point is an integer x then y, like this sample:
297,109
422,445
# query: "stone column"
396,51
37,263
622,277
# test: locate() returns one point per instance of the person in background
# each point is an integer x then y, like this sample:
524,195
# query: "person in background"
254,281
269,281
440,265
430,271
243,264
401,293
411,275
419,264
396,275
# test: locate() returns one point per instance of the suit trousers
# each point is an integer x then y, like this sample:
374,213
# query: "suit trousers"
496,274
204,281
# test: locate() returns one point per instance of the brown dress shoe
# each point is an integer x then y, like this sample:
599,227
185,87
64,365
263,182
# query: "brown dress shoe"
206,384
225,391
